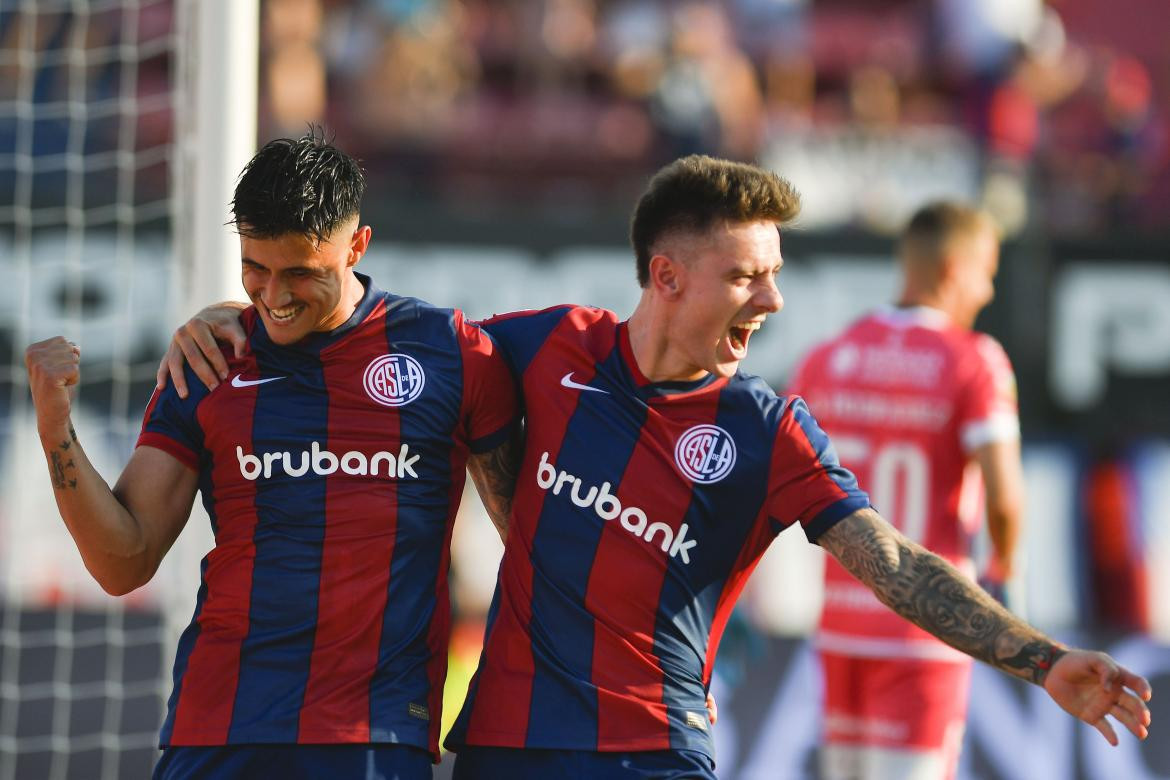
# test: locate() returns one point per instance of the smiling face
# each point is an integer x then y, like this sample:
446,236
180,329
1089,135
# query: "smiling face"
300,286
724,288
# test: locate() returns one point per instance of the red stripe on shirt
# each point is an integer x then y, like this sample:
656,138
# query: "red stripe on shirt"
203,713
499,714
624,588
361,520
798,481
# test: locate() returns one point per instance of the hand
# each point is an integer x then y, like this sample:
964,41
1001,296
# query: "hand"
712,709
194,343
54,365
1090,685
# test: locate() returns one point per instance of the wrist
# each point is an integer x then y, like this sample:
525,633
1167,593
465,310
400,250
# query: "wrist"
53,432
1046,660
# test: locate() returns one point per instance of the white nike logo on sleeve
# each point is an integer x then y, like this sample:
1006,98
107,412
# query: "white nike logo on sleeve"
237,382
567,381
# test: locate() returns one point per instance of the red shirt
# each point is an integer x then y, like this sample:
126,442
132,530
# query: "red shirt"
906,397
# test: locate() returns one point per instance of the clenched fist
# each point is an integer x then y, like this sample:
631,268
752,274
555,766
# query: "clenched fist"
53,365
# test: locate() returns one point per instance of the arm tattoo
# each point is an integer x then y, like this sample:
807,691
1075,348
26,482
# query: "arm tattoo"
495,474
62,468
929,592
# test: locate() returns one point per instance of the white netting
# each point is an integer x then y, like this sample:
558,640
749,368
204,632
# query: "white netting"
87,100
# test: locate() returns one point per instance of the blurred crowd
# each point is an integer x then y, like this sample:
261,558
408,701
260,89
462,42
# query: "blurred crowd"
1053,113
871,103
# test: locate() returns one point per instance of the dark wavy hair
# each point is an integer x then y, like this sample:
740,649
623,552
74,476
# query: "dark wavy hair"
693,193
304,186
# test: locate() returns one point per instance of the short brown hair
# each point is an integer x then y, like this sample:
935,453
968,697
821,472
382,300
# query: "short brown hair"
695,192
934,226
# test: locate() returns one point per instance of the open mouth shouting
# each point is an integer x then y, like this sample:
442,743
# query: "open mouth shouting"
738,337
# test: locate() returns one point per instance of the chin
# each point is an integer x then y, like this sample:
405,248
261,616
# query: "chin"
725,370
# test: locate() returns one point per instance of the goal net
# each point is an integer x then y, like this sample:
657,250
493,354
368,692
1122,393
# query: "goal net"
96,147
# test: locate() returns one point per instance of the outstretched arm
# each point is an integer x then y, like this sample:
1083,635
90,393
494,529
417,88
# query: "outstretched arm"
494,474
928,591
194,343
122,534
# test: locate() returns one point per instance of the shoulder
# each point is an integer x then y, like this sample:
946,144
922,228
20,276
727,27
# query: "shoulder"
749,394
580,316
982,354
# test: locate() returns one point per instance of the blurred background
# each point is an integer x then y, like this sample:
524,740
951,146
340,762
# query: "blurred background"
505,143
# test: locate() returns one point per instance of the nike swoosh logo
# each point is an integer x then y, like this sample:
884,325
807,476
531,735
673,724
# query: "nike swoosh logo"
567,381
237,382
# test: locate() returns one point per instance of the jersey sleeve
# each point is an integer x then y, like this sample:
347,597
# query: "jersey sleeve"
491,407
170,423
988,407
807,482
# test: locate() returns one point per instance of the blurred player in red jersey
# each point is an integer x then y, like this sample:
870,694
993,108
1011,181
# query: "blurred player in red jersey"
923,410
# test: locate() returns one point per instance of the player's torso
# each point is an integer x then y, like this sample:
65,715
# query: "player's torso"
633,509
362,434
331,474
888,392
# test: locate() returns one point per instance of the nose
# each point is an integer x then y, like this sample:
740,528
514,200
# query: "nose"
276,292
769,298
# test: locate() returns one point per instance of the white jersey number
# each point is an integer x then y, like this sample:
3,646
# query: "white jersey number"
895,470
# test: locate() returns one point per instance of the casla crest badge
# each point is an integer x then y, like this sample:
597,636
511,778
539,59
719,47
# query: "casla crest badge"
705,453
394,380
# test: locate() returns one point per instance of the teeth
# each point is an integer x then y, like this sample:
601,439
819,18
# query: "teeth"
283,314
750,325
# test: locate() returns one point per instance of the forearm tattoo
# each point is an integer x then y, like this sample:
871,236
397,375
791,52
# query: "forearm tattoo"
495,475
62,467
929,592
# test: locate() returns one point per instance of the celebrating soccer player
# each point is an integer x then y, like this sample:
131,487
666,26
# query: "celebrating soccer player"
912,397
654,476
331,465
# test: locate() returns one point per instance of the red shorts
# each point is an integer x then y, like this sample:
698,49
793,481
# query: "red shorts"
907,704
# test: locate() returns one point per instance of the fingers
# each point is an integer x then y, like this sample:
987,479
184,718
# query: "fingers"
1106,730
209,353
1136,683
173,361
54,361
1137,722
712,709
223,322
239,342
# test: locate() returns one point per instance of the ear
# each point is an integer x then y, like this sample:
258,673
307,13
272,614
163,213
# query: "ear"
358,244
667,276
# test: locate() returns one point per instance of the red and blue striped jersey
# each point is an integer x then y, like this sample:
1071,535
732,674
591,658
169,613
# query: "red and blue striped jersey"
641,509
331,470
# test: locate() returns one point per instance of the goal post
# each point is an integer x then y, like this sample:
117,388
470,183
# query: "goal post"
217,136
123,124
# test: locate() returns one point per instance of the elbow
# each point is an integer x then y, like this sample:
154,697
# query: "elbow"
121,581
116,589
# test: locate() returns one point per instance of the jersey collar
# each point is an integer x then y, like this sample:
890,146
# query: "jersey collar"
648,390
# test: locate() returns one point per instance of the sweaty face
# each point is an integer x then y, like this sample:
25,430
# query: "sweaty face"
727,287
299,285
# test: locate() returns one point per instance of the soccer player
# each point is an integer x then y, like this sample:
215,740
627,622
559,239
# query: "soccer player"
331,465
654,476
923,410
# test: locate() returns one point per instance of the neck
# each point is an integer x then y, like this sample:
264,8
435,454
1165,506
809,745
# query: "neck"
351,295
650,327
933,299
